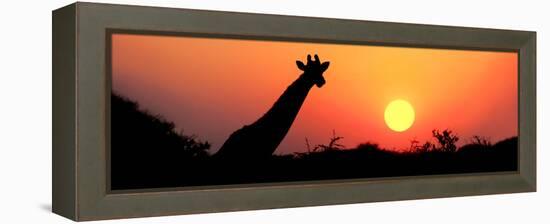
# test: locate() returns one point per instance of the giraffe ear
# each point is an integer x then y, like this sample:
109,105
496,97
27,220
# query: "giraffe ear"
325,65
301,65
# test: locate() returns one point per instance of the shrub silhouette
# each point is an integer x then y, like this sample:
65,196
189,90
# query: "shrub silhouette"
332,145
446,142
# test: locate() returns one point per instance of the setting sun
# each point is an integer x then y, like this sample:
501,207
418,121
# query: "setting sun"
399,115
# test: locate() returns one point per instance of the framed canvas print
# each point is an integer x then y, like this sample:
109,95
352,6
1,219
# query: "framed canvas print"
160,111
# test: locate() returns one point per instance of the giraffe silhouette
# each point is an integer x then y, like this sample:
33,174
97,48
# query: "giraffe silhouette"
261,138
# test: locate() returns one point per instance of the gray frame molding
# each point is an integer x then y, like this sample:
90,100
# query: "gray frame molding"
81,120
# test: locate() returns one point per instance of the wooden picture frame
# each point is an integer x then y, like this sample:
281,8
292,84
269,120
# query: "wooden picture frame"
81,111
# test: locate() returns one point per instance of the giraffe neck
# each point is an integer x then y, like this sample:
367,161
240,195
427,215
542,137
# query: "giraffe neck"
262,137
283,112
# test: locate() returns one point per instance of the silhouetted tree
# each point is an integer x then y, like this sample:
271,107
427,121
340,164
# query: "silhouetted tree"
446,139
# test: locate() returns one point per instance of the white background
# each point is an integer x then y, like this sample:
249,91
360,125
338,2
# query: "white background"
25,112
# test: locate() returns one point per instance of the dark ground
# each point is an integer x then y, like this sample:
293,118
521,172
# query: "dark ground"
147,152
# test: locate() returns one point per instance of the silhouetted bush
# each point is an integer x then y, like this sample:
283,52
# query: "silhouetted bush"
446,140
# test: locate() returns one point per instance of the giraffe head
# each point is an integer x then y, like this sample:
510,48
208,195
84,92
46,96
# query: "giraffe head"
313,70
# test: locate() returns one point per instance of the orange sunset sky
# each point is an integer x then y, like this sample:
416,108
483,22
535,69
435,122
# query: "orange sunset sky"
211,87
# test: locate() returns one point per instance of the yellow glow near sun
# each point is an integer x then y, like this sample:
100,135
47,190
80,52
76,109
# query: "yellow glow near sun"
399,115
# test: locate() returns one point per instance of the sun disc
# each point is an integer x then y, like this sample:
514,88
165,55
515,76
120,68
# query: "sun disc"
399,115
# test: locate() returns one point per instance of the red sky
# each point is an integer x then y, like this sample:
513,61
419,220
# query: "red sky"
212,87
